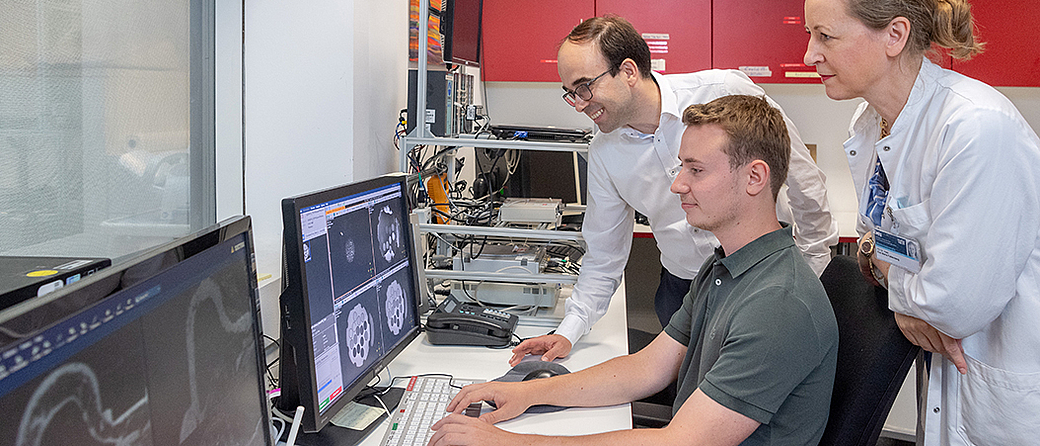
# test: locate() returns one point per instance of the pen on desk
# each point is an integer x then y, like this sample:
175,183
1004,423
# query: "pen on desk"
291,440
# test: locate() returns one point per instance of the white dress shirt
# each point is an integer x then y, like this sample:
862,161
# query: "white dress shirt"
962,169
631,171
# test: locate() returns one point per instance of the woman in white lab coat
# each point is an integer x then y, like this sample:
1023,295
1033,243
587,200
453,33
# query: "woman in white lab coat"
948,177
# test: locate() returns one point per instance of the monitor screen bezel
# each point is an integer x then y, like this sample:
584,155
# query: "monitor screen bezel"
297,374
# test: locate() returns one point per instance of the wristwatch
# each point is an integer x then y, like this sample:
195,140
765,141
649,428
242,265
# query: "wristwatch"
866,248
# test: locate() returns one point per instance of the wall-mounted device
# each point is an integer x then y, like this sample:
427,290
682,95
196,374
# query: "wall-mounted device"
457,323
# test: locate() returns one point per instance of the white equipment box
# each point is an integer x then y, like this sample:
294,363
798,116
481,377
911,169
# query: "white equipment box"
531,211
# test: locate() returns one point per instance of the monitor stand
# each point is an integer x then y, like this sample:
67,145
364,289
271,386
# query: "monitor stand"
332,435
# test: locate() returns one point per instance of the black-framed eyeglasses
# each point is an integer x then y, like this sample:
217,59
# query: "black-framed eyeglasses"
583,91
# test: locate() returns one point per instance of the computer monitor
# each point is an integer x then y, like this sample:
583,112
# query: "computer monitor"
461,27
537,174
172,356
350,297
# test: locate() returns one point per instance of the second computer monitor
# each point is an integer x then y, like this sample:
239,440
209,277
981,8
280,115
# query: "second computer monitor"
351,292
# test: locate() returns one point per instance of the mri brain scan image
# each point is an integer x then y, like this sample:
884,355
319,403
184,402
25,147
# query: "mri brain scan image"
389,233
395,307
359,334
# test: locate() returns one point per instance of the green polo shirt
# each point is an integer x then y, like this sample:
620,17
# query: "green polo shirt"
761,340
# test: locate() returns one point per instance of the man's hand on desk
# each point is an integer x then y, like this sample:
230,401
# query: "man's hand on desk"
549,346
460,430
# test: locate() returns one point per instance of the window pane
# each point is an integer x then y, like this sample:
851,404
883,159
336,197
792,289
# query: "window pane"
97,103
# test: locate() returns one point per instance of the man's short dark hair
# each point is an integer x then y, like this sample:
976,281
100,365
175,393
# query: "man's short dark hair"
756,130
617,40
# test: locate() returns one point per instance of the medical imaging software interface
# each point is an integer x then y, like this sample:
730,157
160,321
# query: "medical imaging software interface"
358,277
172,360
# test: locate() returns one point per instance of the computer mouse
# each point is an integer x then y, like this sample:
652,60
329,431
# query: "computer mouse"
538,374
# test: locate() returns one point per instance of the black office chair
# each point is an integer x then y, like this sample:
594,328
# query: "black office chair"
873,356
654,411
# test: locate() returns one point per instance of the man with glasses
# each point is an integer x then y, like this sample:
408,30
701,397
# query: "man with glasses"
605,68
755,343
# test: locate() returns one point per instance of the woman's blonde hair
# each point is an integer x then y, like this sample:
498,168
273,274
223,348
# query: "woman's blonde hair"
946,23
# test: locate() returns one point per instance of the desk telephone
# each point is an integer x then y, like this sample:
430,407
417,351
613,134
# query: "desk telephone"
456,323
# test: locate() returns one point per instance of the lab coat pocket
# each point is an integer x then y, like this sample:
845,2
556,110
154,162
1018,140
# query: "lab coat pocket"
912,222
997,406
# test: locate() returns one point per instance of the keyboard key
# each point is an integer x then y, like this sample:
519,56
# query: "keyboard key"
423,406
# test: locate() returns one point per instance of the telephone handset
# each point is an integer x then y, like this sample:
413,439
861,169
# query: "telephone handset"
457,323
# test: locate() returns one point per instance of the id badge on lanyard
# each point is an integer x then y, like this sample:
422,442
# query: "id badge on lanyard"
895,249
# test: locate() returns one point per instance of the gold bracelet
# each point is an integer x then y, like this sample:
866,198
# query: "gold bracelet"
881,279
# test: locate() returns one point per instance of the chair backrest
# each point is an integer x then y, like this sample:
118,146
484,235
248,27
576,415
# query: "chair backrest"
873,356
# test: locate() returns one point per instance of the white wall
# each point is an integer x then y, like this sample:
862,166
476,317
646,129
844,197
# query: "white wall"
380,83
322,85
321,79
299,109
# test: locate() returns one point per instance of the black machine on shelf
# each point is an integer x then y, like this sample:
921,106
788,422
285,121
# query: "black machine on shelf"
541,133
351,293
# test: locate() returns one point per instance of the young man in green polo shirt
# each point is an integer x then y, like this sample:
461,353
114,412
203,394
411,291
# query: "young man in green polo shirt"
755,343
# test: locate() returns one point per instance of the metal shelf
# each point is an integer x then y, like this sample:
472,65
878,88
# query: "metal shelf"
420,136
498,143
527,234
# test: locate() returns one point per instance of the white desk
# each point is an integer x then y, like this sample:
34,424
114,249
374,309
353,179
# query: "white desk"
608,339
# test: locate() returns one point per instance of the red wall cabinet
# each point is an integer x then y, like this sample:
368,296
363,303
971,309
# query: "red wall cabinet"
765,39
521,38
1012,55
677,31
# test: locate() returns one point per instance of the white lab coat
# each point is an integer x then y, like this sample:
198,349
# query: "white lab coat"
964,174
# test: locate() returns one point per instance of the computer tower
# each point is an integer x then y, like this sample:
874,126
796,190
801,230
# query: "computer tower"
439,102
